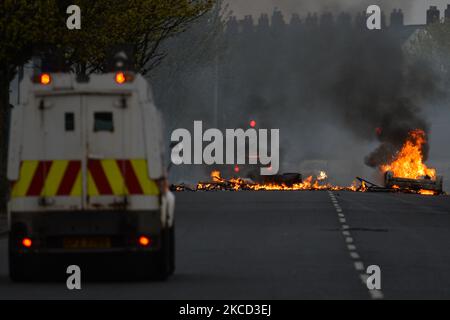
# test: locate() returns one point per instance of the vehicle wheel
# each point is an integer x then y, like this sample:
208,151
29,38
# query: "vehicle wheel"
17,269
18,263
172,249
164,257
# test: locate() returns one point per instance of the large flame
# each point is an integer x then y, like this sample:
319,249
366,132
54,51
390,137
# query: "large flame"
408,163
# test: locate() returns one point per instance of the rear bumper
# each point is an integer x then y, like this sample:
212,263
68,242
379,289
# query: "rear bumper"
48,231
96,266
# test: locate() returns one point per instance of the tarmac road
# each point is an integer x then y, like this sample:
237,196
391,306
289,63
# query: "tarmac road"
291,245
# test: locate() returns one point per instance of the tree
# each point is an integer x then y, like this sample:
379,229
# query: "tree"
439,43
432,44
145,24
28,24
190,57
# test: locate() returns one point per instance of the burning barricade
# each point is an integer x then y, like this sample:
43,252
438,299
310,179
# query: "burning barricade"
282,182
406,173
285,182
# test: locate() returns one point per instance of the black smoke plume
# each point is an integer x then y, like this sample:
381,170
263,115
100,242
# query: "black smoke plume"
378,92
332,86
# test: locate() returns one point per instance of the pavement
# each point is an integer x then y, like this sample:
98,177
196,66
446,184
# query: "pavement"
289,245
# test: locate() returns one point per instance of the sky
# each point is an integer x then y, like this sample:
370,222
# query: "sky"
415,10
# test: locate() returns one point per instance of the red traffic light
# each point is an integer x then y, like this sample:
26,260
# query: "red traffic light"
379,131
253,123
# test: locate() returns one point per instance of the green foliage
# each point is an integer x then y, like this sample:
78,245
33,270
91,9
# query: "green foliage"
440,35
433,45
29,24
200,46
21,24
25,24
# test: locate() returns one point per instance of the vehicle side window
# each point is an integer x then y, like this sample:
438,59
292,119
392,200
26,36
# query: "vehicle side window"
103,121
69,121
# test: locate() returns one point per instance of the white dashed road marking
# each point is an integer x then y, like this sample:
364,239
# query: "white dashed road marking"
376,294
354,255
358,264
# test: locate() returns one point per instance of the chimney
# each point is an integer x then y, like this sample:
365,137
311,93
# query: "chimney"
232,27
263,23
344,20
433,15
311,20
247,24
360,20
278,23
295,20
447,13
397,18
326,20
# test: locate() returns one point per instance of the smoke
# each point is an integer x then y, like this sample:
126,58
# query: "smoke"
378,93
344,98
363,78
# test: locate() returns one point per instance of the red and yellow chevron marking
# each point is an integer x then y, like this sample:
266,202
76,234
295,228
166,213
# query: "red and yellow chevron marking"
48,178
63,178
119,177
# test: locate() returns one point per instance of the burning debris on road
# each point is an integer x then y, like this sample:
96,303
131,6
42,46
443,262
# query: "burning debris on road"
285,182
311,183
406,173
408,162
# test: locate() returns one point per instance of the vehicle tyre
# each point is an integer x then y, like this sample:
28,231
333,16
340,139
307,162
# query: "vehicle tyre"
163,257
16,263
172,249
17,268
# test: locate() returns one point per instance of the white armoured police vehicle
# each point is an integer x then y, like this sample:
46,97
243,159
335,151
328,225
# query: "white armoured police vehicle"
88,179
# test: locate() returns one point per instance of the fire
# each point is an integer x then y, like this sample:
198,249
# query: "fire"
363,187
240,184
427,192
311,183
215,176
407,169
408,163
322,176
